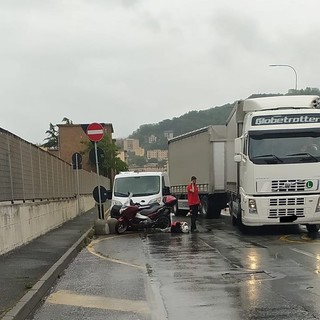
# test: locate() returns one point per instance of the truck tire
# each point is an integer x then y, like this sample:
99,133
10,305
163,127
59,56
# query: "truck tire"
217,202
204,206
243,228
214,207
215,212
312,228
234,219
233,216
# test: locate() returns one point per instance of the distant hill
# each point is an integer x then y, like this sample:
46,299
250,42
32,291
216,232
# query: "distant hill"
194,120
189,121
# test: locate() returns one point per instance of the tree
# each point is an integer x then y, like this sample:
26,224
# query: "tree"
53,135
153,160
52,139
111,163
67,121
136,160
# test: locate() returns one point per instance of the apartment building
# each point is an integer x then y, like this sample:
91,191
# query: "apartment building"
157,154
132,145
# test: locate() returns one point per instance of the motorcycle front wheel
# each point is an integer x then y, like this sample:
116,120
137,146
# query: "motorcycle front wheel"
163,222
121,227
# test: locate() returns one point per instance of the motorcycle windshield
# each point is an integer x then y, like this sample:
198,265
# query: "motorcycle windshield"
139,186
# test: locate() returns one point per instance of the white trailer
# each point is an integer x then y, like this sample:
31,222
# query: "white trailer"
200,153
273,161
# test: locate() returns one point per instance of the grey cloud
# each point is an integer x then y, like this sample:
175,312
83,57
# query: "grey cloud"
239,31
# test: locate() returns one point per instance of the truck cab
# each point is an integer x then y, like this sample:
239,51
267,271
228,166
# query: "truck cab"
275,177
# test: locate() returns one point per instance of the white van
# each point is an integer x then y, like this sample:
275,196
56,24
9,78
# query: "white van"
146,187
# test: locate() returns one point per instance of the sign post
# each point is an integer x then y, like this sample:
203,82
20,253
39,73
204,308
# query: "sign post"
95,133
76,163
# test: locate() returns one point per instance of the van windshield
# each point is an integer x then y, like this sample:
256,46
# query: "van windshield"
139,186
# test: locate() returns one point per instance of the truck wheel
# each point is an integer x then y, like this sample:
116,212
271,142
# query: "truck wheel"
312,228
234,220
243,228
216,212
204,206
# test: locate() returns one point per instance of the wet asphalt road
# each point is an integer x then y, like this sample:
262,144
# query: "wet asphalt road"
218,273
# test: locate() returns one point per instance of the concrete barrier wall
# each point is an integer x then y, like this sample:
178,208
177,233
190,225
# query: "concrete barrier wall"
21,223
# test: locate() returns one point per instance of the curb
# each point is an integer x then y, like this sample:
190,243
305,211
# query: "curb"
31,299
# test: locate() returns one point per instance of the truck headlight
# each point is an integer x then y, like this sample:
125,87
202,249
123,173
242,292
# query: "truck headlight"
252,206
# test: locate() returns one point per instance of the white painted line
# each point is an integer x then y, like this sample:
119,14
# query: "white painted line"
69,298
91,249
308,254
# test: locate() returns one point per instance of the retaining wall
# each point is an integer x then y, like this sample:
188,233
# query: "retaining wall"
21,223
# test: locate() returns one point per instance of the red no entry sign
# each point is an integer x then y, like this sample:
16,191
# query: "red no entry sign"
95,132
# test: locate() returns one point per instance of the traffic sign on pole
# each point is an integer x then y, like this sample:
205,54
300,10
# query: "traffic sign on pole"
76,160
92,155
95,132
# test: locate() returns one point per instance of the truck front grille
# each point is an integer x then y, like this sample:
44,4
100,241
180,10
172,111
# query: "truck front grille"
288,185
282,207
286,202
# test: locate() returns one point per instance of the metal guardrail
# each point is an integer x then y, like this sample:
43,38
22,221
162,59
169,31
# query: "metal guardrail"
29,173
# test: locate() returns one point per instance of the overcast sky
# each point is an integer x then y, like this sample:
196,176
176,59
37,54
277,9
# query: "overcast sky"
132,62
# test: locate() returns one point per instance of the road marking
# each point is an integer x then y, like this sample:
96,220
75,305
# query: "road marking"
69,298
308,254
223,256
92,250
303,239
286,239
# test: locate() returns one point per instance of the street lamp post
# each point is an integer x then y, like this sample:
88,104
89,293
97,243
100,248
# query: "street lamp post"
287,65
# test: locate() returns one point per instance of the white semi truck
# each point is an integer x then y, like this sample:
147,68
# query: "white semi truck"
199,153
273,161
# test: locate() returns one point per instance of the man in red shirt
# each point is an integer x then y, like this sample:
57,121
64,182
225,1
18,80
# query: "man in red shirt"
193,202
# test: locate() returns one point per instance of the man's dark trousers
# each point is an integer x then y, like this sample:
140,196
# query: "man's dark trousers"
194,215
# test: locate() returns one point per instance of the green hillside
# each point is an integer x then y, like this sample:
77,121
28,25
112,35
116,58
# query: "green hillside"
189,121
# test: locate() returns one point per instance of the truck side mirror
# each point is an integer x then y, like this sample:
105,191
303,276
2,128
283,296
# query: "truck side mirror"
237,146
166,191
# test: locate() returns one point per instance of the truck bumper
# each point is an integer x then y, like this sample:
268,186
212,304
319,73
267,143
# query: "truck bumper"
281,210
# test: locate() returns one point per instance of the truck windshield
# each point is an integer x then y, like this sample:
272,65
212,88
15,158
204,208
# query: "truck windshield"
290,146
139,186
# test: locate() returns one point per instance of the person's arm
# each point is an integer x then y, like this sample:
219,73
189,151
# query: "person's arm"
192,187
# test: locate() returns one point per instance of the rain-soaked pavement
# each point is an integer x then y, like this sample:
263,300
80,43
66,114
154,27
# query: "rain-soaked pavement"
218,273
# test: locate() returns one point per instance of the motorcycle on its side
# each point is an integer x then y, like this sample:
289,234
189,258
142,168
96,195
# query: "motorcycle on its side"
135,216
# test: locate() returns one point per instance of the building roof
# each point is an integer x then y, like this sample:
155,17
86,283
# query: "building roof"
85,125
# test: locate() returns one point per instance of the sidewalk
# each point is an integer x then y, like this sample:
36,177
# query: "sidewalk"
28,272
